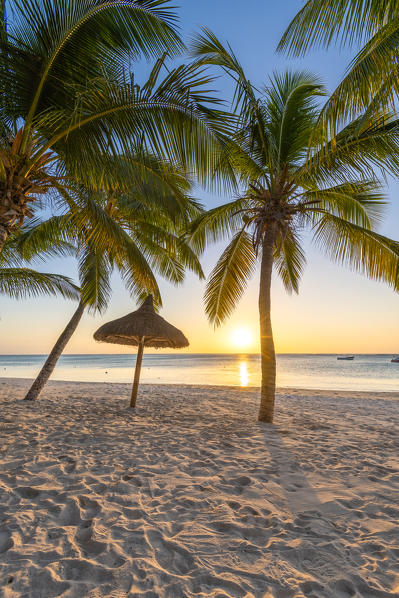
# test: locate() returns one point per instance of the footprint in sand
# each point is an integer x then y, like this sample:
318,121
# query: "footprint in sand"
246,552
6,542
343,588
354,503
223,587
27,492
89,505
84,539
44,583
78,570
132,479
243,480
113,560
55,533
70,514
248,510
170,555
69,464
312,589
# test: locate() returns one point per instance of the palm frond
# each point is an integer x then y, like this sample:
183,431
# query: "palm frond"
43,239
136,269
209,50
360,202
94,274
171,124
229,278
371,78
292,112
367,144
169,253
20,283
56,44
289,260
361,249
216,224
323,22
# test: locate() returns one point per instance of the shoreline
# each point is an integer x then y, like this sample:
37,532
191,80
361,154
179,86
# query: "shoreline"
189,496
280,390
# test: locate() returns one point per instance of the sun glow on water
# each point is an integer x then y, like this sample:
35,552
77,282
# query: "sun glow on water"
244,376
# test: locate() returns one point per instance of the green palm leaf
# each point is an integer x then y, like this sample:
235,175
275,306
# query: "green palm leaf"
55,44
372,76
363,250
360,202
20,283
323,22
171,124
228,279
41,240
216,224
168,253
291,114
289,260
94,274
369,143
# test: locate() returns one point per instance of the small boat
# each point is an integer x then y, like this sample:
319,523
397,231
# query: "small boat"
395,360
346,357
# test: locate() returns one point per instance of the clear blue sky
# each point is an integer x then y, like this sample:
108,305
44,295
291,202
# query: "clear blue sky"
336,310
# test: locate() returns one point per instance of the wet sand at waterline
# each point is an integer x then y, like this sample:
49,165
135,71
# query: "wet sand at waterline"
189,496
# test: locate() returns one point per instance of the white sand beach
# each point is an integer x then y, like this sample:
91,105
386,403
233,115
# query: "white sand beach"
189,496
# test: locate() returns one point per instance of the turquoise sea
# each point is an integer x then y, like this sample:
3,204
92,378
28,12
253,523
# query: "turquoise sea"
365,372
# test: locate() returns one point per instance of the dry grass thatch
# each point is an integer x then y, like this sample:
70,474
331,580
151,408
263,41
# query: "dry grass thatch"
142,324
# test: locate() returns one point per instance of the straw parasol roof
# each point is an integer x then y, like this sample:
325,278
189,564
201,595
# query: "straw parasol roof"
142,324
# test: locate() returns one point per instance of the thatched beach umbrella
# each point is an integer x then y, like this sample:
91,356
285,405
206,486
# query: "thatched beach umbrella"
141,328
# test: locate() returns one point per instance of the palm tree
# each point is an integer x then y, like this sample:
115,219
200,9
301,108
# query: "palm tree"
139,234
372,76
68,98
294,177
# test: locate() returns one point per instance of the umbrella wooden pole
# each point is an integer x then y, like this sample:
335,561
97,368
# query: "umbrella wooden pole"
137,371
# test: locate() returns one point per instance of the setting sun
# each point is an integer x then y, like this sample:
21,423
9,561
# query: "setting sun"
242,337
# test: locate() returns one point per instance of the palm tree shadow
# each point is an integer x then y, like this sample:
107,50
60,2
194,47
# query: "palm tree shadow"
298,493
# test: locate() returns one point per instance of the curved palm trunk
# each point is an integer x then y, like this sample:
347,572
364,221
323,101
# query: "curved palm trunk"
137,371
55,354
268,355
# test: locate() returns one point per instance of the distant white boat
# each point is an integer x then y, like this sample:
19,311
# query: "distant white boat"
395,360
346,357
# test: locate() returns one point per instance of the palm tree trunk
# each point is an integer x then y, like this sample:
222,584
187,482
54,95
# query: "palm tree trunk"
137,371
55,354
268,355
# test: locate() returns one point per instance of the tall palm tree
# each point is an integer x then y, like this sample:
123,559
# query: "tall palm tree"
139,234
372,77
293,179
67,97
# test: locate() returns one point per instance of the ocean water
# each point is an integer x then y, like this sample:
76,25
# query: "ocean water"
365,372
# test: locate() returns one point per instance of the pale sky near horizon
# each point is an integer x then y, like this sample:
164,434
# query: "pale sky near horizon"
336,311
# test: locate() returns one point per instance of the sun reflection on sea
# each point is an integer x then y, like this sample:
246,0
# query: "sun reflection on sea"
244,377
